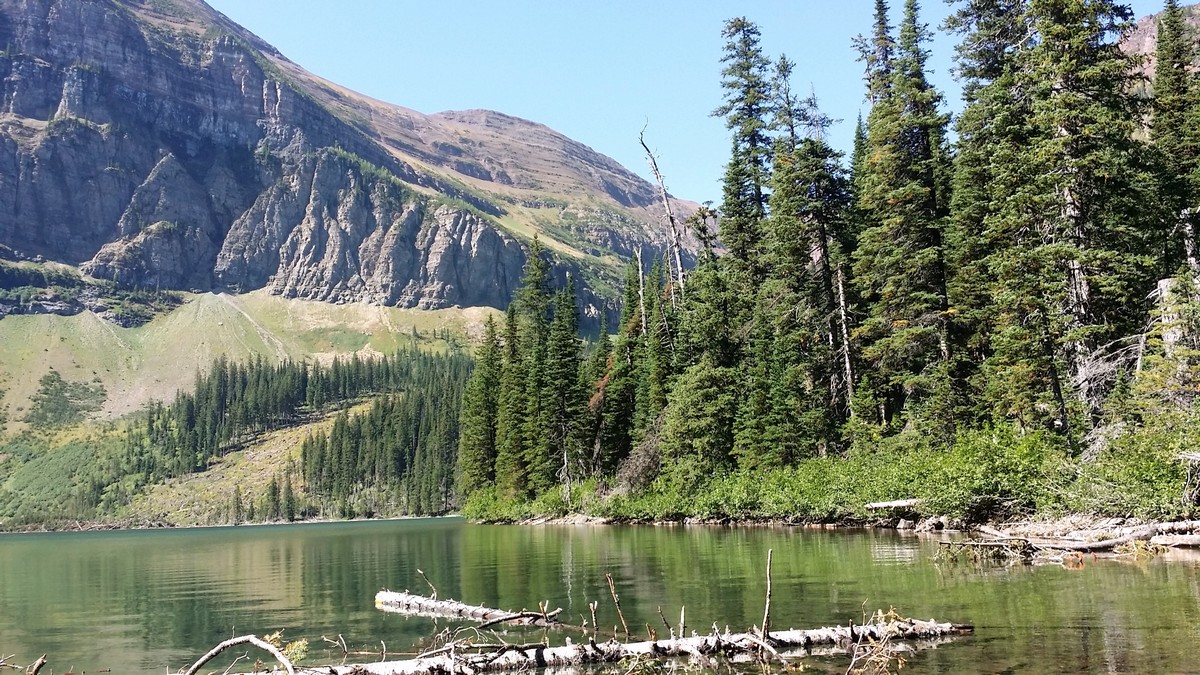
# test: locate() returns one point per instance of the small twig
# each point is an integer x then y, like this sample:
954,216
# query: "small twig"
682,623
231,665
431,586
766,647
766,624
612,588
595,626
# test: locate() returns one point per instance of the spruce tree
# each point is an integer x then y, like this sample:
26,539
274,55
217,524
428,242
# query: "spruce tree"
510,448
564,399
1173,135
746,83
476,461
1072,216
273,504
900,258
288,507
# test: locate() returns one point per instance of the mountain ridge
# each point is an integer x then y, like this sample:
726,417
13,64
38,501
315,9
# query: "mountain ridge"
159,144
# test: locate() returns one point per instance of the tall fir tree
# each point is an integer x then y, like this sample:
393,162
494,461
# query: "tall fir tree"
900,259
563,396
476,461
992,131
1174,137
746,82
1071,241
510,473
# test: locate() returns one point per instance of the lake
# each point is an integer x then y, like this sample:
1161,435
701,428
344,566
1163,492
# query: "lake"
154,601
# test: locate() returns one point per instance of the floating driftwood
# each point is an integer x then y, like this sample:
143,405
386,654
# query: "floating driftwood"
419,605
1144,533
467,658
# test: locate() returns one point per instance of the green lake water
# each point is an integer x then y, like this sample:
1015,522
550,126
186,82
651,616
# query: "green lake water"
153,601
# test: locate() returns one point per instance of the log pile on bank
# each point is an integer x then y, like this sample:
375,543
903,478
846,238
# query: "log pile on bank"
1032,545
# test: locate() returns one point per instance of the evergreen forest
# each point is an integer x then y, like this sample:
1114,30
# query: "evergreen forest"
995,313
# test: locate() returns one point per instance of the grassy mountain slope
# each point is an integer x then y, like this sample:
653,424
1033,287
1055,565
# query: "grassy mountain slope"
153,361
200,497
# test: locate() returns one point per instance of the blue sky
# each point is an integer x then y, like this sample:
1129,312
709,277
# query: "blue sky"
596,70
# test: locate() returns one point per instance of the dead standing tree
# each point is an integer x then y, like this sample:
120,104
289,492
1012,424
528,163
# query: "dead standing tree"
676,242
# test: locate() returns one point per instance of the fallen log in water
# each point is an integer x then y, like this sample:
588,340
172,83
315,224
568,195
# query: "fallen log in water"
419,605
1176,540
467,659
1139,535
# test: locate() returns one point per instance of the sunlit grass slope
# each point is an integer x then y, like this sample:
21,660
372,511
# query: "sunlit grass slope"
155,360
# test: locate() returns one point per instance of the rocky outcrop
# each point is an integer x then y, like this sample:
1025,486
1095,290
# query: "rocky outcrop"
157,144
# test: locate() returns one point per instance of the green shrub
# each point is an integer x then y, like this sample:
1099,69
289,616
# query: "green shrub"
1139,474
997,472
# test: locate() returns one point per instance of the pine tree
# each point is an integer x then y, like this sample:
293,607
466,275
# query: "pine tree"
564,399
1173,136
288,508
992,131
746,107
876,53
238,511
900,260
1072,212
698,426
510,449
476,461
807,240
273,499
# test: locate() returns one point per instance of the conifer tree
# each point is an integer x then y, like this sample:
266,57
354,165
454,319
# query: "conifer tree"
273,499
1072,214
900,259
564,399
510,460
1173,134
746,108
288,506
992,132
476,462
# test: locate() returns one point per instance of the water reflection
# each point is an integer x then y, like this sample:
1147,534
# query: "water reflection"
146,602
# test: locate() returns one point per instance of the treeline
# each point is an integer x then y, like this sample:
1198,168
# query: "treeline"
415,424
396,458
1036,278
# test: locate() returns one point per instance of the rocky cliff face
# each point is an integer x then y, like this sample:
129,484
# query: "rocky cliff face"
155,143
1142,40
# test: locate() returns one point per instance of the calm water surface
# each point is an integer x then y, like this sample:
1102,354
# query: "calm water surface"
153,601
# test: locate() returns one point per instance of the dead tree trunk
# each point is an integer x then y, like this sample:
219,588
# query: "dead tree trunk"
462,657
666,200
418,605
266,646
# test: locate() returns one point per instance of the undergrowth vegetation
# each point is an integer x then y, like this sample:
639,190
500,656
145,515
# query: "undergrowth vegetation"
985,474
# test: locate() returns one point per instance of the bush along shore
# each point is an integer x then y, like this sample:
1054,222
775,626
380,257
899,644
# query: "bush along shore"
985,476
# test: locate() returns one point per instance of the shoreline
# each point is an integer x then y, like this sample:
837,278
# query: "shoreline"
81,526
1080,528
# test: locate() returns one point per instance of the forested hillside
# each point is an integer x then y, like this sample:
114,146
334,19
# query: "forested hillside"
392,459
996,313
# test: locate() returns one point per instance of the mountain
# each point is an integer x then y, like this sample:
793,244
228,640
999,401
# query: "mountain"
1142,39
158,144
